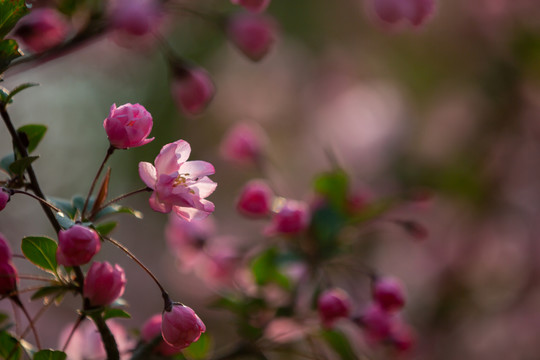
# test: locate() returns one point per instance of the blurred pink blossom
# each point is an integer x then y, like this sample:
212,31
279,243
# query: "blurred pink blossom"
8,278
128,126
252,34
388,293
255,199
135,17
152,329
179,185
292,218
244,144
394,11
5,250
253,5
332,305
4,198
192,89
42,30
187,239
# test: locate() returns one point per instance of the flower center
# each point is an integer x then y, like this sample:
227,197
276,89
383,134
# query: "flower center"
181,179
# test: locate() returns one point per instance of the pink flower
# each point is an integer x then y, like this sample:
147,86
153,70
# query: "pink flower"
332,305
377,322
253,5
151,330
5,251
252,34
179,185
42,29
192,89
181,326
394,11
4,198
291,219
128,126
187,239
8,278
86,341
104,283
243,144
388,293
136,17
77,245
256,199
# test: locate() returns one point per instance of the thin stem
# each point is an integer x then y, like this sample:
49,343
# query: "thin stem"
42,201
75,326
110,151
36,317
17,301
121,197
34,277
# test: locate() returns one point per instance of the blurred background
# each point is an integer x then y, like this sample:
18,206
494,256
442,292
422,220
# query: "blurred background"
451,107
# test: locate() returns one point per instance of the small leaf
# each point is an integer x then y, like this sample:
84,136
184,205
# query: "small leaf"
6,162
41,251
34,134
50,355
7,344
103,192
333,186
339,342
199,350
118,209
106,228
10,12
9,50
19,166
115,313
64,205
65,221
48,290
17,90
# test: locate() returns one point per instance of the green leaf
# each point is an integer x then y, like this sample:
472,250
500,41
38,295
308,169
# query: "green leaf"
64,205
17,90
19,166
50,355
48,290
9,51
106,228
10,12
34,134
6,162
3,317
7,345
118,209
339,342
65,221
265,269
41,251
334,187
199,349
115,313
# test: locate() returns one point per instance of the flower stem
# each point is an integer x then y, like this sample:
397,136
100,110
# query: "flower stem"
75,326
42,201
121,197
110,151
17,301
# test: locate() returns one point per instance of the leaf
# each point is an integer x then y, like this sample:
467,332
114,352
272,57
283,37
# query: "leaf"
7,344
48,290
6,162
115,313
64,205
34,134
9,51
50,355
10,12
106,228
118,209
334,187
19,166
199,349
17,90
103,192
65,221
339,342
265,269
41,251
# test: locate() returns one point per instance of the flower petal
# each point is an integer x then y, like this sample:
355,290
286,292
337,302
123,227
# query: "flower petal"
148,174
204,187
171,156
197,168
158,206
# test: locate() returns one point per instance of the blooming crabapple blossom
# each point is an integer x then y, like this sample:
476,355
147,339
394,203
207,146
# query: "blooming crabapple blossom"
86,341
77,245
191,89
152,329
104,283
243,144
253,5
333,304
4,198
128,126
8,278
255,199
135,17
181,326
414,11
179,185
42,30
388,293
291,219
5,251
252,34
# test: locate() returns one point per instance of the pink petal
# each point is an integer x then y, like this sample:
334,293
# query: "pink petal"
148,174
171,155
158,206
190,213
197,168
204,187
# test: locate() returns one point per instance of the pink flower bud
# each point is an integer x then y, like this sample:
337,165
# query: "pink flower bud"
192,89
8,278
332,305
152,329
256,199
5,252
291,219
253,5
136,17
128,126
402,336
243,144
252,34
42,30
77,245
104,283
4,198
181,326
394,11
388,293
376,322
